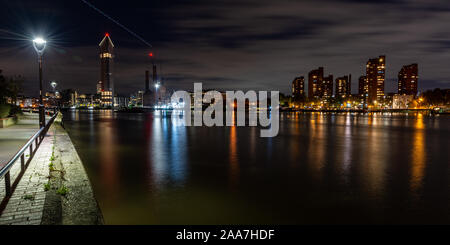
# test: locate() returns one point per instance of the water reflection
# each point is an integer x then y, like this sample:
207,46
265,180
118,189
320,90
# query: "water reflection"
347,149
321,168
317,144
418,154
107,144
168,149
374,156
159,161
233,155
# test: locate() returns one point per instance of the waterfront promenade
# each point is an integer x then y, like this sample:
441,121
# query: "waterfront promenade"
14,137
54,189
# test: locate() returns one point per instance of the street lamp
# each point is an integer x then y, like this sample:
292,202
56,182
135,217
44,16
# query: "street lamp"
53,84
39,46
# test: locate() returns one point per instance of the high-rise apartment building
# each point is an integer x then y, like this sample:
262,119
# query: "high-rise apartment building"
375,73
327,87
343,86
363,87
315,80
408,80
298,86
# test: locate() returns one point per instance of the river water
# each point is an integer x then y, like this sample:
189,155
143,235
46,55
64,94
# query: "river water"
322,168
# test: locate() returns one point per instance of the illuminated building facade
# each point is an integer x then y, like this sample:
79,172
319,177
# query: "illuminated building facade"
408,80
343,86
298,86
315,80
105,86
363,87
375,73
402,101
99,87
327,87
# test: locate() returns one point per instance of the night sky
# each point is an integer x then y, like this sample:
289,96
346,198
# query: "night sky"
255,44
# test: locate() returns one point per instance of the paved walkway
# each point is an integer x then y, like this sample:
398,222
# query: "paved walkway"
27,202
14,137
38,198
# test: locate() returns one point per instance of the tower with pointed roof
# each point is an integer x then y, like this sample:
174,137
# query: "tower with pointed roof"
105,85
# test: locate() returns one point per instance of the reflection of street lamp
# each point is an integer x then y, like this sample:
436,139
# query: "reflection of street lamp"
39,46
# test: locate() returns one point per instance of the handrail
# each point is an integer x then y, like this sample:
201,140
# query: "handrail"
37,138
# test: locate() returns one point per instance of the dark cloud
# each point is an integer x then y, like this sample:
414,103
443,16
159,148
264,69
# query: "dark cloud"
251,44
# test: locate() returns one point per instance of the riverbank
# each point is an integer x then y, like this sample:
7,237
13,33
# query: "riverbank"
70,199
54,189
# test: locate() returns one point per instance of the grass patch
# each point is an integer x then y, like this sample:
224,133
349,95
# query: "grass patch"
28,197
62,191
51,166
47,187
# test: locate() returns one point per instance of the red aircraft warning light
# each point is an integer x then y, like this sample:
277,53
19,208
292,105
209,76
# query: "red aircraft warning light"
107,34
150,54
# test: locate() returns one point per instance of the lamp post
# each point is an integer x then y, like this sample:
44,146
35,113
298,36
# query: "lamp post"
39,46
53,84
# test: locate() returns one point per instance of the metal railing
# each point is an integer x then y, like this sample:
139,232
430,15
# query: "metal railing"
30,147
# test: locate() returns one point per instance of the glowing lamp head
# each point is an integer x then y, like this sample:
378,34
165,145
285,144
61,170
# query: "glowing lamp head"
39,40
156,85
39,45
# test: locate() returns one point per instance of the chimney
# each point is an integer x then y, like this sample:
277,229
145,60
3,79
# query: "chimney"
154,74
147,82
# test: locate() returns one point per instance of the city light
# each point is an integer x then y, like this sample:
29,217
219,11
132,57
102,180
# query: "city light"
156,85
53,84
39,40
39,45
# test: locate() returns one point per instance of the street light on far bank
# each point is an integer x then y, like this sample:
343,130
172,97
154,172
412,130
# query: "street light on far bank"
39,45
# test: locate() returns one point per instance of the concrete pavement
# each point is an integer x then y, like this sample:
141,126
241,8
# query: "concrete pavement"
57,193
14,137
